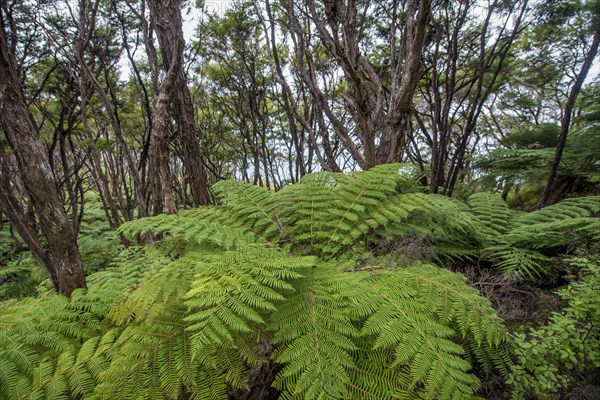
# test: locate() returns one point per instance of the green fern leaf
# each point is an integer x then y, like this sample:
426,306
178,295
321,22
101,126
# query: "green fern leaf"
252,206
492,211
315,335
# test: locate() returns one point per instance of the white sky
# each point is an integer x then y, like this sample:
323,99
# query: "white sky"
191,15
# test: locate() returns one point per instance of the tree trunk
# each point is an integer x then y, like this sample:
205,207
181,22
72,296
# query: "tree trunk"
378,101
566,121
455,89
32,160
406,75
167,20
160,171
19,218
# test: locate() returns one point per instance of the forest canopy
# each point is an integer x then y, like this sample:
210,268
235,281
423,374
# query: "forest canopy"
332,199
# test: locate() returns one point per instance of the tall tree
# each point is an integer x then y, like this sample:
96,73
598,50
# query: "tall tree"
565,122
376,95
240,88
166,16
64,261
94,61
465,61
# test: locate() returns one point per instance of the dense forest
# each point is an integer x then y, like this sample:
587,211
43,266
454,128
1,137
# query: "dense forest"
299,199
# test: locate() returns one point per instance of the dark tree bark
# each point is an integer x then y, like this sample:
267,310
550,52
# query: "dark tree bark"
566,121
407,70
20,219
379,101
32,159
166,16
160,172
460,76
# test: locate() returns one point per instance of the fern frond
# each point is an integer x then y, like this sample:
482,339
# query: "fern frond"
171,281
416,313
492,211
65,334
557,233
518,262
306,205
580,207
252,206
16,363
132,265
450,230
372,376
359,194
152,359
207,225
329,212
315,335
231,291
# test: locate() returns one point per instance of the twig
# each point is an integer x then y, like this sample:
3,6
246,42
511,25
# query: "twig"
366,268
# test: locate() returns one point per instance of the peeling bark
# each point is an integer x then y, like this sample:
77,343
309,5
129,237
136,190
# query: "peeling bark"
166,17
18,125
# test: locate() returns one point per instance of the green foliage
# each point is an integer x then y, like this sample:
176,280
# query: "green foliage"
315,337
525,161
492,211
519,243
533,137
548,356
327,213
20,276
415,315
186,315
516,166
19,271
98,246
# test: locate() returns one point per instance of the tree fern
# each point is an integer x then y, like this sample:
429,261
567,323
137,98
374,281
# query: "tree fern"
315,333
202,226
63,344
327,211
516,242
232,290
558,225
414,314
305,208
252,206
445,225
492,211
184,317
358,196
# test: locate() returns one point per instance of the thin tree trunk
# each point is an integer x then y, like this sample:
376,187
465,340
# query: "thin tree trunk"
566,122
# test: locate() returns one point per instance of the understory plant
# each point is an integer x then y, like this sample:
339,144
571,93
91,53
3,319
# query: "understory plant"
189,316
550,356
